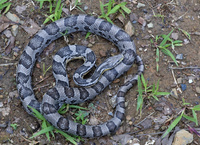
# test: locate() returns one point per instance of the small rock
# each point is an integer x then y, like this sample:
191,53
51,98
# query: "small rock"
174,36
20,9
150,25
145,11
128,117
182,137
174,93
1,96
179,80
186,41
121,18
183,87
179,56
85,7
129,28
198,90
112,101
139,5
1,104
140,49
191,78
142,21
110,113
14,30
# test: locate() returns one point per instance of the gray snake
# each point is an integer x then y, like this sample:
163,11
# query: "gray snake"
61,92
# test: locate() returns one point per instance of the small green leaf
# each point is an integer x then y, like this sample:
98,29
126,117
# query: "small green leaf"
167,52
195,117
166,38
185,33
127,10
196,108
173,124
50,128
162,93
189,118
113,10
37,114
87,35
68,137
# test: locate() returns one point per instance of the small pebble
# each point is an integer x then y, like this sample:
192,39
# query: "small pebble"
179,80
139,5
183,87
150,25
85,7
198,90
141,21
145,11
1,104
110,113
133,17
140,49
174,36
179,56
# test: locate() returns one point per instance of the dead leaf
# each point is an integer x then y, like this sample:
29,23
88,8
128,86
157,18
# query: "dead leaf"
10,45
4,23
32,29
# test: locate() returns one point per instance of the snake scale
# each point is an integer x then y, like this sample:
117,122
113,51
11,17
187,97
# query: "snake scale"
61,93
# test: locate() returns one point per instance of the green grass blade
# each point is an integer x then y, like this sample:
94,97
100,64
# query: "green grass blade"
109,20
196,108
87,35
37,114
172,125
109,6
156,98
2,1
113,10
102,9
189,118
7,9
167,52
195,117
157,58
162,93
4,5
143,80
44,125
166,38
50,128
125,9
77,107
67,137
185,33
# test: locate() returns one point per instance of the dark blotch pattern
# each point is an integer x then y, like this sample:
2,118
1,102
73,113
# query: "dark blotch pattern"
25,92
69,92
122,104
128,57
122,36
63,123
58,68
25,60
22,78
111,126
105,26
98,87
52,29
81,130
70,21
120,115
90,20
97,131
53,93
83,93
111,75
48,108
36,42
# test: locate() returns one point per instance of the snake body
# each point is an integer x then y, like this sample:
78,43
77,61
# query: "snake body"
61,93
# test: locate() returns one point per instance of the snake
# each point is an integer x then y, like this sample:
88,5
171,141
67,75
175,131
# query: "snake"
88,88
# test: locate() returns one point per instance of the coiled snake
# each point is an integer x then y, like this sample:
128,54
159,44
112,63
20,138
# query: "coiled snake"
61,93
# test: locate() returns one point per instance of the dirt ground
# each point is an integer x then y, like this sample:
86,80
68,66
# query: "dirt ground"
175,14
